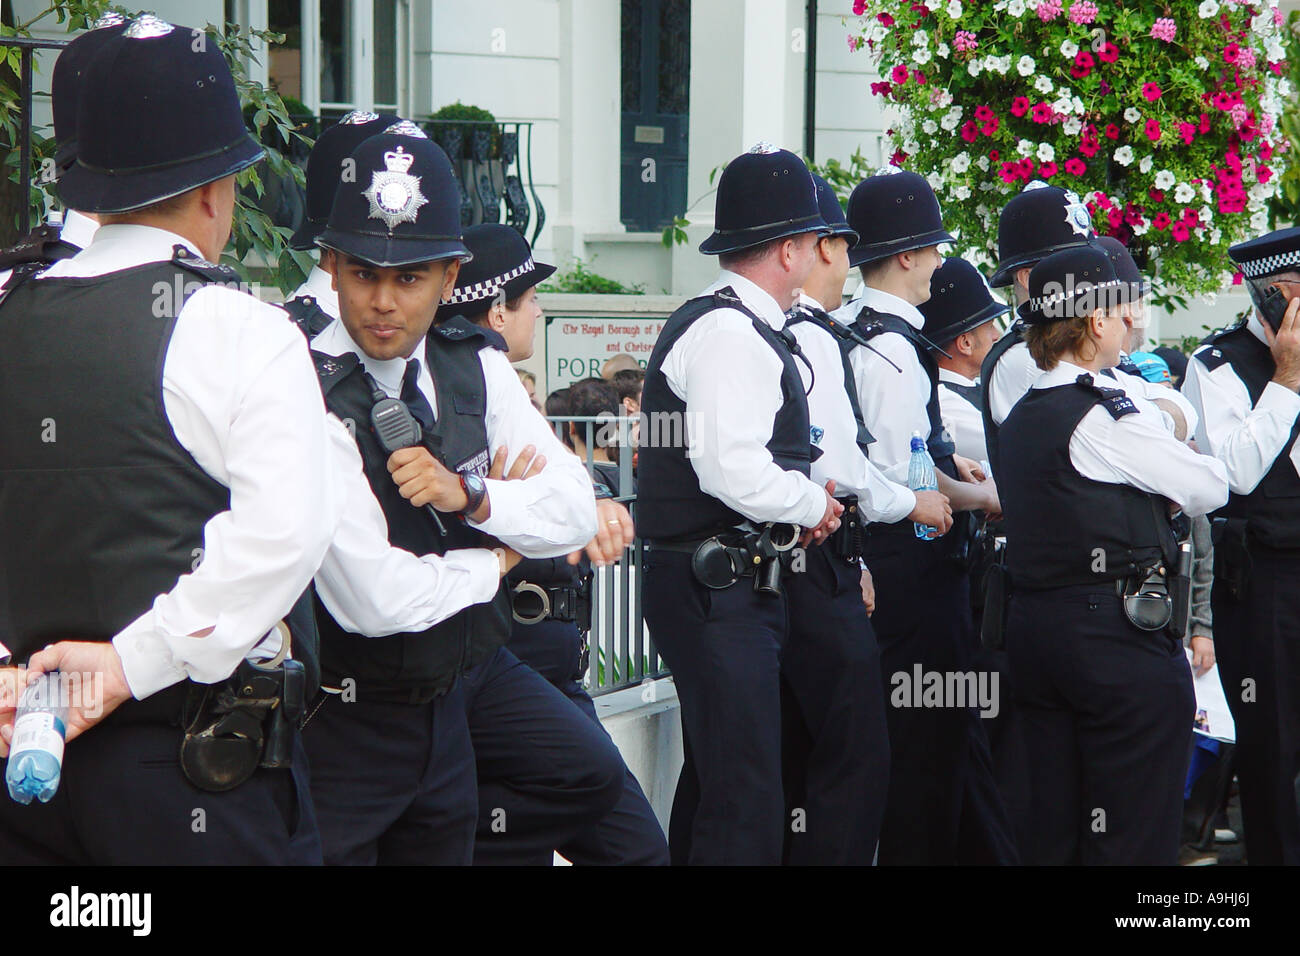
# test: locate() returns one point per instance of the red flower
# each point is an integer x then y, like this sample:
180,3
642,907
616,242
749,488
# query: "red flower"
1109,53
1112,131
1153,130
1263,174
899,75
1231,52
1047,170
860,7
1083,64
898,159
921,9
1204,126
1191,218
884,18
1088,142
1180,232
1009,172
1266,152
1223,101
919,77
1161,221
969,131
1075,167
983,114
1188,132
1115,218
1027,169
1237,277
1156,195
1020,106
990,127
882,89
993,155
1041,113
1151,91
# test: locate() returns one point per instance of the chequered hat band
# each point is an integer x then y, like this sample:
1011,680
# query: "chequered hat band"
488,288
1268,265
1043,303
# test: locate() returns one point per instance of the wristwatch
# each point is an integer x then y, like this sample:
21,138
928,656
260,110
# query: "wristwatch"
475,491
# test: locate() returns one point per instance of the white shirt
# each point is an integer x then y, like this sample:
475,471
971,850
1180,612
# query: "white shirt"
730,380
1138,450
893,401
1246,438
241,395
962,419
77,229
545,516
835,430
320,285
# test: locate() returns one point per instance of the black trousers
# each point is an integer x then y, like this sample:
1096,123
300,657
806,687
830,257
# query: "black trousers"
629,835
546,773
835,753
1106,712
1257,640
724,649
393,783
943,805
123,801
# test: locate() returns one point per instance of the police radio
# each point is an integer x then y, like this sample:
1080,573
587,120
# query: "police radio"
396,428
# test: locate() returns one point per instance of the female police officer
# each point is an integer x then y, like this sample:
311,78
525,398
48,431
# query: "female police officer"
1089,478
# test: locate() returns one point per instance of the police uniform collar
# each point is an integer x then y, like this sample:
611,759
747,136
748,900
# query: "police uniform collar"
77,229
808,302
1065,373
120,246
753,296
891,304
1256,326
956,378
320,286
335,340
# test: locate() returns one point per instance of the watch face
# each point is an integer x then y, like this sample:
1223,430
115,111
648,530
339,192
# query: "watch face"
474,482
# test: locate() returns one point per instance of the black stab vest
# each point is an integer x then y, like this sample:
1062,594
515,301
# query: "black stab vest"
101,508
1272,510
1014,336
1055,518
670,503
414,667
970,393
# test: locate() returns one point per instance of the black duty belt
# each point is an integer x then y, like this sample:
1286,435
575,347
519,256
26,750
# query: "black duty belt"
848,541
721,560
571,604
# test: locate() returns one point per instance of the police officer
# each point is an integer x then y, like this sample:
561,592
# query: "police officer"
497,290
1243,382
403,708
836,753
723,486
1090,476
157,527
959,320
942,805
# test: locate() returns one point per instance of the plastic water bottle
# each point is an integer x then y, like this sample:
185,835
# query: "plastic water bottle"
36,752
920,477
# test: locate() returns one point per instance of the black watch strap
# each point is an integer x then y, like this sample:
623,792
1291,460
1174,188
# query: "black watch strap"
474,495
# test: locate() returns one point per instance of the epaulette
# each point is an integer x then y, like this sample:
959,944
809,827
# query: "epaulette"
43,246
19,275
183,257
460,329
305,312
1114,400
332,369
1211,356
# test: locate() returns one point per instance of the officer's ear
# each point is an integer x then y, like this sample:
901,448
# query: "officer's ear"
449,279
825,249
1022,278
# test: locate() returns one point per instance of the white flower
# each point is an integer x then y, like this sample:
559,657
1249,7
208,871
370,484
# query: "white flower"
991,63
1068,49
1208,9
1132,115
1046,153
911,147
1184,193
1141,230
1004,64
1210,298
983,163
1206,192
1063,105
921,38
1024,147
921,56
1201,63
1216,234
935,180
1025,65
929,127
960,163
1273,49
1165,179
954,9
1259,221
1124,155
962,192
1016,8
973,67
949,122
1206,214
1284,88
1072,127
1043,84
942,50
1144,167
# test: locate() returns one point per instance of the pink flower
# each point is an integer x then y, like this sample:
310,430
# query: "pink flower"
1109,53
1020,106
969,131
1263,174
1223,101
1083,64
1164,29
1204,126
1047,170
1153,130
1112,131
899,75
1239,114
1009,172
1049,10
1083,12
1041,113
919,77
991,127
1151,91
965,41
1231,52
884,18
860,7
1188,132
1075,167
1277,17
983,114
1161,221
853,42
1180,232
882,89
1237,277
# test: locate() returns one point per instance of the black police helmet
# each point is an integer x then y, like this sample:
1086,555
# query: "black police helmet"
65,84
404,205
894,212
1071,283
158,116
960,301
502,269
764,194
325,168
828,204
1036,222
1135,283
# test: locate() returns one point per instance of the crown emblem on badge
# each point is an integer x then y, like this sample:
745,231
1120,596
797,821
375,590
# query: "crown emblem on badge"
394,193
1076,215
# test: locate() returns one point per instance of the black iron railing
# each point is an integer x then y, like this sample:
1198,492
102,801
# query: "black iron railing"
27,45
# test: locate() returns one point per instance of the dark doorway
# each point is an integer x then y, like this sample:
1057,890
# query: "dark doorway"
656,60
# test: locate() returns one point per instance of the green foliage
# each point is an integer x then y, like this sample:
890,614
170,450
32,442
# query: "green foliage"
463,113
580,279
843,178
675,232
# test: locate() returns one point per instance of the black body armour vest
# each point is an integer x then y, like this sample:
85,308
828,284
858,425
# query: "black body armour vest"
819,317
670,503
1056,519
1014,336
101,508
415,667
970,393
870,324
1272,510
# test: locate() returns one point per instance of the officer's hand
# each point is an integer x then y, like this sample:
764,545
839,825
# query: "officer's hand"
12,682
614,532
1285,346
423,480
97,699
528,463
934,509
1202,655
992,506
868,592
968,469
830,520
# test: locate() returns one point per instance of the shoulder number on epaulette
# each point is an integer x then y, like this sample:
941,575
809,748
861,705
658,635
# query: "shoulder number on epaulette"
1211,357
1118,405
